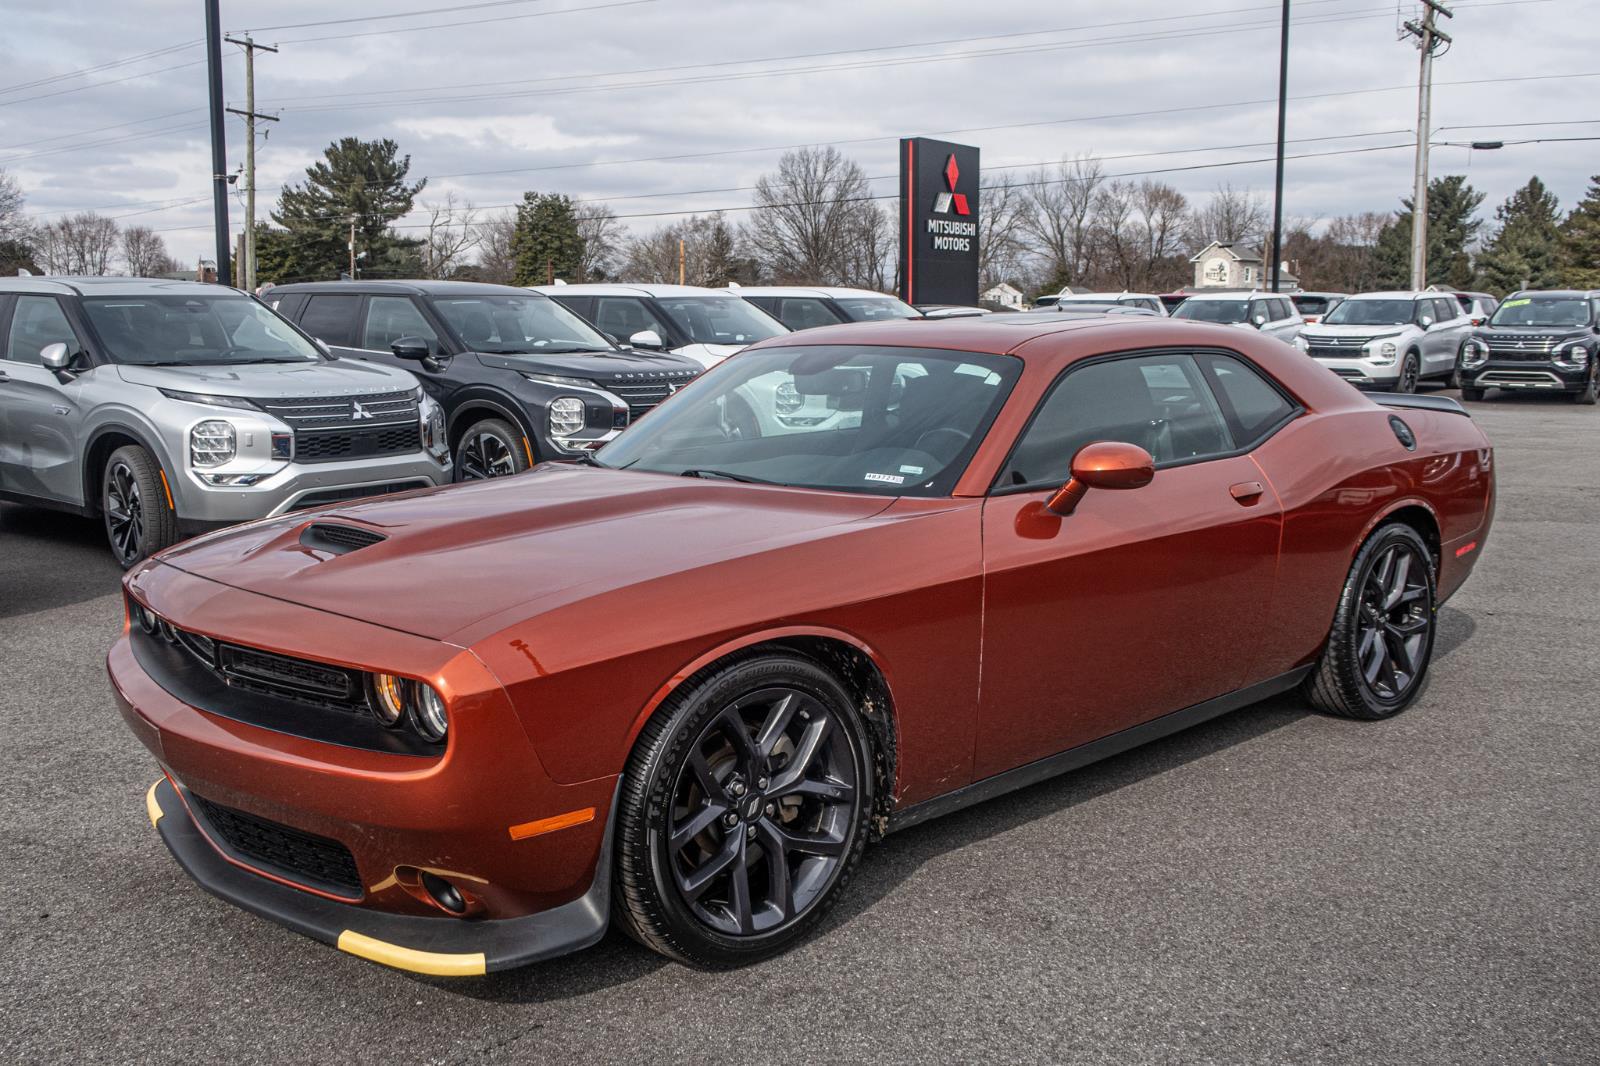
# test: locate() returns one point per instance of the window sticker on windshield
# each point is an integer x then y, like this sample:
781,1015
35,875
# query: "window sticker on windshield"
893,479
911,469
1516,303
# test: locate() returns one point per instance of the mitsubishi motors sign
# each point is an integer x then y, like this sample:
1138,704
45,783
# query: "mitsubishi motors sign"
938,222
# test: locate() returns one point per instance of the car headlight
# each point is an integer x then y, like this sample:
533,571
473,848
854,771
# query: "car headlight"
210,400
1301,343
1474,352
566,416
1384,353
212,443
434,438
399,700
1576,355
786,399
556,379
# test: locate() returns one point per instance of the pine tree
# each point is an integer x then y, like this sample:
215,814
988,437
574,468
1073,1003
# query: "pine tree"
1580,239
547,239
1525,252
1452,203
356,179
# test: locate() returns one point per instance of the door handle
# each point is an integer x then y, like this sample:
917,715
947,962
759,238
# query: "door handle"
1246,492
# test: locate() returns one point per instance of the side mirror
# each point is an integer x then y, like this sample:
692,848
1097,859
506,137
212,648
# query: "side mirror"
55,356
322,346
647,338
413,348
1426,321
1259,320
1106,464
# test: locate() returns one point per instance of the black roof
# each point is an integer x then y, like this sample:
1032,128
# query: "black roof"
419,287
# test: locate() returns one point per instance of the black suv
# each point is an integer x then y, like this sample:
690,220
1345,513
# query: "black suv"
521,378
1538,341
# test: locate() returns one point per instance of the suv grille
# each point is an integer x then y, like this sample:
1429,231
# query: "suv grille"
282,850
1519,347
1337,347
329,446
322,412
643,392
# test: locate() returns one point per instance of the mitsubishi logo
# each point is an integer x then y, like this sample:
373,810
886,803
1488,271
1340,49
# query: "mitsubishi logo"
951,200
672,387
1519,344
357,412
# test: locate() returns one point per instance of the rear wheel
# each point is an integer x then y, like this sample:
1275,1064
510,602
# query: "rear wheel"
1382,638
133,500
743,810
491,448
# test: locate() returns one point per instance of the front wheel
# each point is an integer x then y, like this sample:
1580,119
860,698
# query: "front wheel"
1410,373
1381,642
742,812
491,448
1587,394
133,501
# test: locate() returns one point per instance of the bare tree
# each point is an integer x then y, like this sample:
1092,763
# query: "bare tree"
1116,238
81,244
1160,220
494,238
604,238
708,248
1232,216
815,222
452,232
144,253
1002,230
14,225
1060,215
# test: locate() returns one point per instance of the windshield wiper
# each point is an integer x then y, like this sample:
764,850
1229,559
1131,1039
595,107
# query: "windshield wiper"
727,476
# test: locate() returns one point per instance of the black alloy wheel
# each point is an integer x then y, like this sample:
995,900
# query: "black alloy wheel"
743,812
133,502
1410,374
488,449
1591,387
1382,638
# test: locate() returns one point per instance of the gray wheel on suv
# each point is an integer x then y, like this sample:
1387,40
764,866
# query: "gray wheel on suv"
1591,388
134,502
490,448
1410,373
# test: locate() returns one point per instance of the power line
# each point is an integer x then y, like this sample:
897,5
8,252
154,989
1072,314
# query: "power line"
467,22
102,84
126,138
394,15
108,65
100,129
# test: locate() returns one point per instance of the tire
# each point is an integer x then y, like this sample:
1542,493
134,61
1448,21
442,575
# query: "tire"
682,869
1387,607
1586,395
1472,395
490,448
1410,374
134,505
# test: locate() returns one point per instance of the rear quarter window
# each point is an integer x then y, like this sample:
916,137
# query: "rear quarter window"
331,317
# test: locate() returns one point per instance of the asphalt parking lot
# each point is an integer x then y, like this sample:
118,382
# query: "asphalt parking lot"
1273,886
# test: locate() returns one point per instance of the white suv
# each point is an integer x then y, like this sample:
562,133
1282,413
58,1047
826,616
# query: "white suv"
1146,300
707,325
1269,312
1390,340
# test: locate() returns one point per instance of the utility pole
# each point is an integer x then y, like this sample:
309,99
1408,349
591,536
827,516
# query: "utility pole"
680,261
1428,39
353,219
247,261
1283,107
219,141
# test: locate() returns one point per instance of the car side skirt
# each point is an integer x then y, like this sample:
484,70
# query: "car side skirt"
1073,758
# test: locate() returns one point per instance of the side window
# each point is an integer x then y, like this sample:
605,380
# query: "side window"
623,316
1252,406
582,306
38,322
1260,309
803,313
332,317
1159,402
1449,310
391,317
1286,309
289,306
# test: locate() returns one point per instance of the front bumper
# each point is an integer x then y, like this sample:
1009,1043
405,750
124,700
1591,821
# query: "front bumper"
475,816
1526,375
442,947
1363,372
298,485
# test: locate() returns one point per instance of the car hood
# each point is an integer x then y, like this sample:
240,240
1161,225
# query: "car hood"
337,377
1539,334
593,365
458,555
1323,329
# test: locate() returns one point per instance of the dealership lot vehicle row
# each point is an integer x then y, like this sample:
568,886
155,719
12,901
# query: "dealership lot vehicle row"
1272,885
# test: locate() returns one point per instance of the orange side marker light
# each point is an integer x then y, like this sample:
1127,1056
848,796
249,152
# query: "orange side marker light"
551,824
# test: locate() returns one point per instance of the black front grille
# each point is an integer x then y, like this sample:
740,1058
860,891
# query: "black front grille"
643,391
282,850
319,412
1317,351
293,679
329,446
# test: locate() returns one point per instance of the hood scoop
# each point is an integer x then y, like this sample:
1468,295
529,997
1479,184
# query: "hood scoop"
335,538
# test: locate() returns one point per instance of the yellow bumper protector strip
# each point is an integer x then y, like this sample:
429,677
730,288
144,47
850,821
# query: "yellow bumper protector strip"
151,807
428,962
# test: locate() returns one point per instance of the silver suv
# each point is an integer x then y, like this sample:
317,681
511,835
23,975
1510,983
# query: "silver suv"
171,407
1390,340
1271,313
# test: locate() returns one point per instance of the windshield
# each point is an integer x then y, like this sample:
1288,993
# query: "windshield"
1371,313
194,331
1570,311
1224,311
720,319
875,308
517,325
1312,305
849,418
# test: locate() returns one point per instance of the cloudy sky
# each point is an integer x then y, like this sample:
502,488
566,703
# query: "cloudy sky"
660,106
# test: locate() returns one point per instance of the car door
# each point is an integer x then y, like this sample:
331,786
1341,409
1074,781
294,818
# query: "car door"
1143,601
331,317
808,312
624,316
1286,323
1451,332
41,413
386,319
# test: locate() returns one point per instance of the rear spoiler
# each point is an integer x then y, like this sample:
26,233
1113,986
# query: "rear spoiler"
1422,403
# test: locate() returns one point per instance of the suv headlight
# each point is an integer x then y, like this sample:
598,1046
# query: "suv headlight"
210,400
1384,353
1301,342
1575,355
1474,352
557,379
434,438
566,416
212,443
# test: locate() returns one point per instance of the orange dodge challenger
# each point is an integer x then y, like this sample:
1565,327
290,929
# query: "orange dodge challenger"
848,580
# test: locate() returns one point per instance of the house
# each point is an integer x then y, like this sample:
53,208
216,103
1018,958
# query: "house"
1229,265
1004,294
